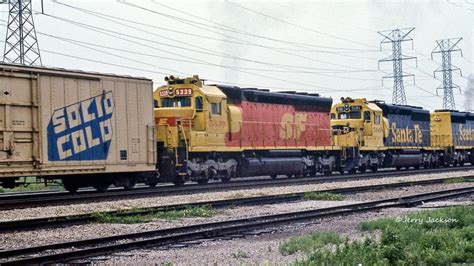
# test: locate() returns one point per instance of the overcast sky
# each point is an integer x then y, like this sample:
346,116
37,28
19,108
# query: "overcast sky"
329,47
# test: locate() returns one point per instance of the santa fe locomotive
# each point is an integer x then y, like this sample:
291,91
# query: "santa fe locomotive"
91,129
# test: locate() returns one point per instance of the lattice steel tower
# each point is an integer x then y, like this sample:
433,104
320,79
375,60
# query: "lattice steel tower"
396,37
446,47
21,44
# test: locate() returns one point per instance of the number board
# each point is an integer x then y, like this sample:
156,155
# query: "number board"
183,92
163,93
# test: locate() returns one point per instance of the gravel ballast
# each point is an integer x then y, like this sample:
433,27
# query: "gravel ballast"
73,209
77,232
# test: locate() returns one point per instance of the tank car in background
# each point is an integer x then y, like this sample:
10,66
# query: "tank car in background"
221,132
86,129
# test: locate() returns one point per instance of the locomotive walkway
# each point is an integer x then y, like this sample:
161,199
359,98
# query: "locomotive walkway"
73,250
33,199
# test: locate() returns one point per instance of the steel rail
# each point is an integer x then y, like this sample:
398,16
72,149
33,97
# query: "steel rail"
29,224
55,198
72,250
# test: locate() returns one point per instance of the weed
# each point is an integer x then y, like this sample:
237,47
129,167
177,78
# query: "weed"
309,243
322,196
128,216
240,255
454,180
437,237
188,212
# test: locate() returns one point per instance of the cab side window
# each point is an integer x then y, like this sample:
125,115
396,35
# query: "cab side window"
367,116
199,104
377,119
216,108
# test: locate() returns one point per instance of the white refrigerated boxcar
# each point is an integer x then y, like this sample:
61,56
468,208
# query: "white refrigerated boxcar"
86,129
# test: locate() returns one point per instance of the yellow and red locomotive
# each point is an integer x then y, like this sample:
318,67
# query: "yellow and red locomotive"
219,132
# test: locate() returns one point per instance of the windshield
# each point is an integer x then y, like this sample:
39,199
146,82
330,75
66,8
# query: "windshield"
349,115
176,102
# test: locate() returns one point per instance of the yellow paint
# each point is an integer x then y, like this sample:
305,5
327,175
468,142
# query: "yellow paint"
358,132
441,130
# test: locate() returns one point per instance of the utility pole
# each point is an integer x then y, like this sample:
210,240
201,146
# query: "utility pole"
445,48
21,44
396,37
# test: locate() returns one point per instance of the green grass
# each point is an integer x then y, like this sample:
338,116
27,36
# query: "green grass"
322,196
455,180
33,185
241,255
410,240
129,218
309,243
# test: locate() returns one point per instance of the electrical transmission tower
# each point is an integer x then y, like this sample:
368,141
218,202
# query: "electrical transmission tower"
396,37
21,44
446,47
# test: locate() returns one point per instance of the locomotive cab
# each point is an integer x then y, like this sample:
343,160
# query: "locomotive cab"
358,123
358,126
185,111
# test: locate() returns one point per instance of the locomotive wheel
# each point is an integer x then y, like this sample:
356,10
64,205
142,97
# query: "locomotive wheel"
203,181
327,172
352,171
299,175
461,163
362,168
273,176
417,167
179,181
231,173
374,168
341,172
398,168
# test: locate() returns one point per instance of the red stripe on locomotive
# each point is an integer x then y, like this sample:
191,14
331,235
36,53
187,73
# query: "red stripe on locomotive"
280,125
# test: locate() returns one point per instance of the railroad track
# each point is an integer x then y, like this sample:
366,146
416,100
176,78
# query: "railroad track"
30,224
25,200
73,250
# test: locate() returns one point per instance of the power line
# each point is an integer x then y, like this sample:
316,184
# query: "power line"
231,67
81,43
232,29
187,34
299,26
270,48
108,32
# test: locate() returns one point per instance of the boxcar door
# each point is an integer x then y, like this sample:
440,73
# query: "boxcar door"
19,120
